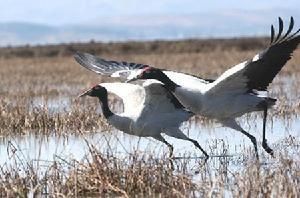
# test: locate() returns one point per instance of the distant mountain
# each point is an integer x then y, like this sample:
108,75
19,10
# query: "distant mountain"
226,24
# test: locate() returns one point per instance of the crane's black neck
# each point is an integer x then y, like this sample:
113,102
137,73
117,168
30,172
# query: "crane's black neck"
169,84
104,105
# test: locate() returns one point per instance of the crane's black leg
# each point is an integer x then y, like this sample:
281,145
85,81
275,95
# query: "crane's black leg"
234,125
177,133
264,143
199,147
253,140
162,139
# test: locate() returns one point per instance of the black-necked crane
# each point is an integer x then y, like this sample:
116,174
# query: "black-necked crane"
149,110
239,90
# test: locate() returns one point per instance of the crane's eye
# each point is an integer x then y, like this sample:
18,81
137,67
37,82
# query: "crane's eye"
97,88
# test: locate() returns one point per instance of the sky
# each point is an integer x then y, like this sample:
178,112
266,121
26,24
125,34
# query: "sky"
60,12
55,21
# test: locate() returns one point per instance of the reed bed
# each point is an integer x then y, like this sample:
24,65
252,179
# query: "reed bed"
25,116
38,95
23,80
19,120
145,174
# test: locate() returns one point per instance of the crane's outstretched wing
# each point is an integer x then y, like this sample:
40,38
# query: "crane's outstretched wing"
259,72
133,96
149,100
110,68
127,71
159,100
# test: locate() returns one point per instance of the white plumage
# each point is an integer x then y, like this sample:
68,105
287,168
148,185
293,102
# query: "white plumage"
234,93
149,110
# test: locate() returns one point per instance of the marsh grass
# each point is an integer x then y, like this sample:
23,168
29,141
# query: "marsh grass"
21,118
35,82
145,174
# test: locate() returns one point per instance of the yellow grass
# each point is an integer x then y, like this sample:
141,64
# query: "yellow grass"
50,73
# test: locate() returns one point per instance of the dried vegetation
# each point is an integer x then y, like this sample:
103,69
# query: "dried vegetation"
38,90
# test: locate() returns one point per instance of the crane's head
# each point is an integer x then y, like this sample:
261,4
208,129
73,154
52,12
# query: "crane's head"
148,73
95,91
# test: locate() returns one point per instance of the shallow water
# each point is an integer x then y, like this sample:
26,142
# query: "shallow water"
215,139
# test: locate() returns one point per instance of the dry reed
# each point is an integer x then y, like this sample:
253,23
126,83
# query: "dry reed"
144,174
37,76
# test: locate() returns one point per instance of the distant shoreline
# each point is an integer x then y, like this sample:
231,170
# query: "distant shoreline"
135,47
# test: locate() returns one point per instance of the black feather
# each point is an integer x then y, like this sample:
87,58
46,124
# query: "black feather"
291,26
261,72
272,34
280,29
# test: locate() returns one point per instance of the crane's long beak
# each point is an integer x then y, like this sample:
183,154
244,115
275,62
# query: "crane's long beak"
84,93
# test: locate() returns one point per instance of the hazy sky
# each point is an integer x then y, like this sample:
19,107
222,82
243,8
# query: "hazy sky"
58,12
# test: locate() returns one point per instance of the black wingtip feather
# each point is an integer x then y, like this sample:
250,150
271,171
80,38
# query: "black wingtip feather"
286,36
261,72
272,34
291,26
280,29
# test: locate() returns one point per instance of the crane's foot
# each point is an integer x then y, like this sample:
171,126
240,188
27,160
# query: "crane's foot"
206,158
267,148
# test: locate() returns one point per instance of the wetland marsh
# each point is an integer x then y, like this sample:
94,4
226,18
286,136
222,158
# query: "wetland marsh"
55,144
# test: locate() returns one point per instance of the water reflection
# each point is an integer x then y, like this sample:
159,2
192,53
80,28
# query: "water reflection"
216,140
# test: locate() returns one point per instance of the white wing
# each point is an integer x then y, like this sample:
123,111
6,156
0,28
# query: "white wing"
123,70
133,96
258,72
187,80
149,100
159,100
126,71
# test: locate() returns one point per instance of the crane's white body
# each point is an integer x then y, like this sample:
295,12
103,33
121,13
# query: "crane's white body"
147,109
236,92
225,98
